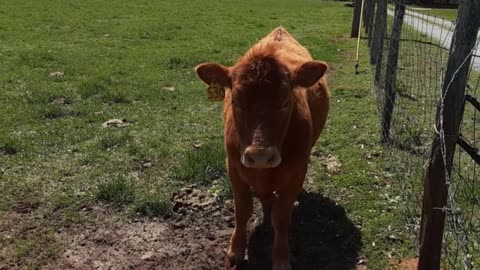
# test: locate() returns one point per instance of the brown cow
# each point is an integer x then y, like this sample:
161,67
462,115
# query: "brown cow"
275,107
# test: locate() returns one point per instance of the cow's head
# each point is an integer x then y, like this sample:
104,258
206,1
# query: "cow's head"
262,101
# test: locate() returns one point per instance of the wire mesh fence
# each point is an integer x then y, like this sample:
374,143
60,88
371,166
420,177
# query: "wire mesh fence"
462,233
410,52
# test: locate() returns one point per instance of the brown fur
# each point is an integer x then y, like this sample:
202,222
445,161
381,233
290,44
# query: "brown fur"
269,105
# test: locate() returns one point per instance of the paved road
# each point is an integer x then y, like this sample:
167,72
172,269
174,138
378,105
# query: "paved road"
439,29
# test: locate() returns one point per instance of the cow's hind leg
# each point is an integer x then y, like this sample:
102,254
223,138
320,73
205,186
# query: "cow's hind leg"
243,212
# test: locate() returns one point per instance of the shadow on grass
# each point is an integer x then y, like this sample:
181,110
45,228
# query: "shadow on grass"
322,238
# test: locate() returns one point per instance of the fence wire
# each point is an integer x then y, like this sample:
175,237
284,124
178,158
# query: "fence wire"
422,60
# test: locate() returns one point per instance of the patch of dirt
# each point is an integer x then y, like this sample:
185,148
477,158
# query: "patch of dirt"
332,163
340,38
25,207
404,264
7,150
196,235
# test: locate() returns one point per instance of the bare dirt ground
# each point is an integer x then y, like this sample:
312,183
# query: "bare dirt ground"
196,235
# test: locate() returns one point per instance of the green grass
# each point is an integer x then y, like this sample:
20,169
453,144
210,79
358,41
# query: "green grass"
446,13
202,165
118,191
135,60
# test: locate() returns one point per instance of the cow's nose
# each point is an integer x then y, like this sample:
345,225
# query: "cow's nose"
261,157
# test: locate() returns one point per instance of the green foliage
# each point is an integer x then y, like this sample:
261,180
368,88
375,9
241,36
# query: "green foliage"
202,165
152,205
118,191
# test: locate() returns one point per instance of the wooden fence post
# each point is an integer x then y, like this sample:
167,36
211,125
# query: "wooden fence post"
366,15
356,18
376,50
371,17
437,175
391,73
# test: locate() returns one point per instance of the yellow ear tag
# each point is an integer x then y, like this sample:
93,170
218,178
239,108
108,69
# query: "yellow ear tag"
215,92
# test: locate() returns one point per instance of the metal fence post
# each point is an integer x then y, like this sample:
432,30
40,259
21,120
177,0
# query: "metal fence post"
391,73
449,112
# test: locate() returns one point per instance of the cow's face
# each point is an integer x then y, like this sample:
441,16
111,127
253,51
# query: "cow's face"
262,103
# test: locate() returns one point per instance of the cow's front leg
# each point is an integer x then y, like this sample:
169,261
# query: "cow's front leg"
282,209
243,211
266,224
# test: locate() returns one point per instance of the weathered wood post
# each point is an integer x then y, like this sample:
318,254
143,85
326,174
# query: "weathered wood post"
356,18
437,175
391,73
371,17
376,49
368,13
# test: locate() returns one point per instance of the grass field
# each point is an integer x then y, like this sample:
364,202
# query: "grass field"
67,67
446,13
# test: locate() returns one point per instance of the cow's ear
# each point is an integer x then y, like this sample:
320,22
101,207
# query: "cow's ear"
211,72
309,73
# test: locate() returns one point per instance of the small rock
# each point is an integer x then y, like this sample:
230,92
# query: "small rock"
210,237
56,74
147,256
62,101
197,145
228,219
393,237
179,225
115,123
333,165
147,164
168,88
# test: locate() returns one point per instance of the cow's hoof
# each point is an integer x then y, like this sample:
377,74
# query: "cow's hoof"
283,265
234,260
